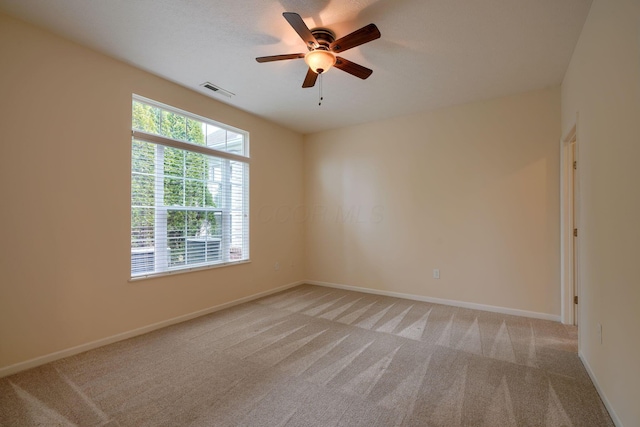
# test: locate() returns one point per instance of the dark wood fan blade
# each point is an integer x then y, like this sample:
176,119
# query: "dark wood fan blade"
352,68
358,37
310,79
280,57
301,28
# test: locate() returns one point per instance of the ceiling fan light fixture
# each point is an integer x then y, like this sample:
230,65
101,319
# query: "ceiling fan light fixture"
320,60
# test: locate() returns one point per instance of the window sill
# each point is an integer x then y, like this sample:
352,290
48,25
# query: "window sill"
187,270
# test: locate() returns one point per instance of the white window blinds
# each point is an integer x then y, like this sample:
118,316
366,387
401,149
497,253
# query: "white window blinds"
189,191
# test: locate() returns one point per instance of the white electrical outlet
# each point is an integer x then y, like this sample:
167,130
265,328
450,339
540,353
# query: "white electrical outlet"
276,266
599,332
436,273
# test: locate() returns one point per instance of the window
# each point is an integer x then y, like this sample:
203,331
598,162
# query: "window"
189,191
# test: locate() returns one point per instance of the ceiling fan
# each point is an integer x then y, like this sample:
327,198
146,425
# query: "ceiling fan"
323,46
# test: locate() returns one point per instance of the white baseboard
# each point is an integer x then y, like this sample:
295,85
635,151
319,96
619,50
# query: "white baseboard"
41,360
455,303
32,363
594,380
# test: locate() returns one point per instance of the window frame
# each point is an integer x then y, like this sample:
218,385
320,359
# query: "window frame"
160,142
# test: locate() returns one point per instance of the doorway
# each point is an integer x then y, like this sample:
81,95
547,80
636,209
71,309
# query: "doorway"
569,228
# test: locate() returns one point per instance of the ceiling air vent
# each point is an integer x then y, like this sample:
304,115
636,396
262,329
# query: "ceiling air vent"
217,89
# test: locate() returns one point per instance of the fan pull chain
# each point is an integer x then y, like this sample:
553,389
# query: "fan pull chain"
320,91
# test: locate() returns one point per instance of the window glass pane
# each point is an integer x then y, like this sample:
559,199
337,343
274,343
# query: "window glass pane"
194,193
195,132
178,255
176,234
211,190
142,240
216,137
235,143
142,190
173,161
196,165
176,223
193,223
173,192
142,224
237,240
145,117
173,126
143,157
203,245
215,223
142,260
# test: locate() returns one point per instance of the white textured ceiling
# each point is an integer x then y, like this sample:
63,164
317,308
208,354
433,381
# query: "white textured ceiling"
432,53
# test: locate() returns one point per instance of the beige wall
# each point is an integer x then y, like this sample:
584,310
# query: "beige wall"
65,115
471,190
602,88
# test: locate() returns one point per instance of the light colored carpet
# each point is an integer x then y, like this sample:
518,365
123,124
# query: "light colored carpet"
313,356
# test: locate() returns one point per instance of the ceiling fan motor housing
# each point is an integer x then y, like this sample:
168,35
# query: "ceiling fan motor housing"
324,36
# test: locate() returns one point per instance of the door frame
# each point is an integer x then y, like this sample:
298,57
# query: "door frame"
569,285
